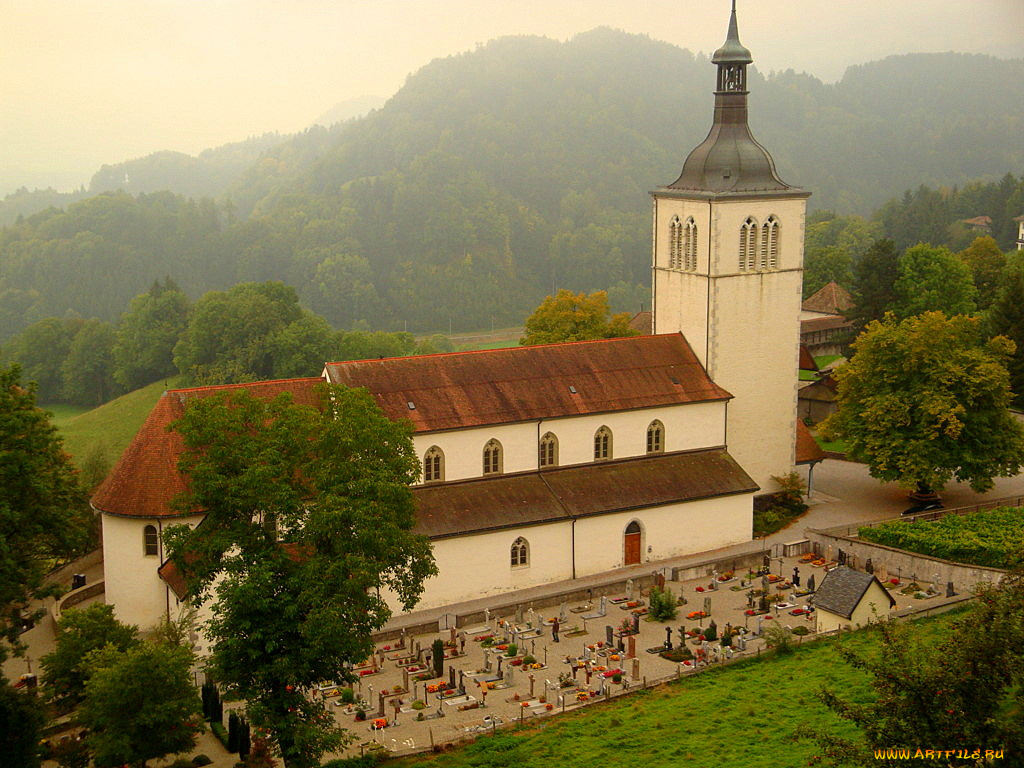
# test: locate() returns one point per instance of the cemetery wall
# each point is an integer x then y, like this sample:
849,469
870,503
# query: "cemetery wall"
687,427
899,562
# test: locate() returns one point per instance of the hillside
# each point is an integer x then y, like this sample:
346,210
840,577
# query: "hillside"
495,176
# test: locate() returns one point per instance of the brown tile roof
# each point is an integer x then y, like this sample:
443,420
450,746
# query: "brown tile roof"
643,322
498,386
982,222
807,359
146,478
831,298
824,323
807,449
533,498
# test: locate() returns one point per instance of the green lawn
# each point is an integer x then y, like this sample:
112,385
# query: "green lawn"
109,429
62,413
740,716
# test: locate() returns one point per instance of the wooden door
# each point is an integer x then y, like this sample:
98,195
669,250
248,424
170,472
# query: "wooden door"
632,548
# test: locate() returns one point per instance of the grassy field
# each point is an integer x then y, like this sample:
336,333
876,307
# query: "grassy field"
740,716
106,430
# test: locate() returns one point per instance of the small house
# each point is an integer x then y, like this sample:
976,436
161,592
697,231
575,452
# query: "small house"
848,598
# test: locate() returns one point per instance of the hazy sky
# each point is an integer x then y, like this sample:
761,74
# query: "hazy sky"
86,82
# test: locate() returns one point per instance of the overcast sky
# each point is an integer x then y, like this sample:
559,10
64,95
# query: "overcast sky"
86,82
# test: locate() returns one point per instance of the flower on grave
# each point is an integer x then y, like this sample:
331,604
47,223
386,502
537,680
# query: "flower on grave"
894,582
600,643
614,657
591,647
525,704
383,691
387,647
549,707
700,589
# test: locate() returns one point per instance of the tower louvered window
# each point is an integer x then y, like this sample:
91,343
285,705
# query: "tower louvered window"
748,245
675,243
690,245
770,243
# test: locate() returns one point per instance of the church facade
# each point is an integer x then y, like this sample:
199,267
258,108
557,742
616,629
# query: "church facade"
548,463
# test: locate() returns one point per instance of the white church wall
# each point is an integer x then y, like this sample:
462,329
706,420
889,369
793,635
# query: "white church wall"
480,565
131,582
687,427
669,531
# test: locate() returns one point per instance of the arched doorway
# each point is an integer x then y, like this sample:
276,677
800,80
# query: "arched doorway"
631,544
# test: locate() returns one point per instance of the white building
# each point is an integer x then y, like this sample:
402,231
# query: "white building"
560,461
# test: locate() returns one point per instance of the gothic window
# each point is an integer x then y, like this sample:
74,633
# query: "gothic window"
675,243
770,243
690,245
602,444
748,245
492,457
520,553
150,540
548,451
433,465
656,437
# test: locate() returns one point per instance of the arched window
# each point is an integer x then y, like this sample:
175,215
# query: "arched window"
690,245
748,245
150,540
548,451
602,444
770,243
656,437
433,465
675,243
492,457
520,553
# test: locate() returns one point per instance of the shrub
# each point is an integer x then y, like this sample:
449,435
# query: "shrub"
181,762
662,605
528,659
513,649
418,704
800,631
437,652
201,760
348,696
219,732
779,638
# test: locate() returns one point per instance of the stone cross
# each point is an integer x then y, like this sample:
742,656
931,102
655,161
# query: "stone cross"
668,638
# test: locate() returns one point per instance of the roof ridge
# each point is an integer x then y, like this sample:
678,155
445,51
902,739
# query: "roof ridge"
238,385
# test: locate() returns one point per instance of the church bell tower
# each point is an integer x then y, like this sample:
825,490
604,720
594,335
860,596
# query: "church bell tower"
728,272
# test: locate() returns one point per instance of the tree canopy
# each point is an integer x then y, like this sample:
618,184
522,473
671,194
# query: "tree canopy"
874,276
309,519
569,316
925,400
44,516
933,280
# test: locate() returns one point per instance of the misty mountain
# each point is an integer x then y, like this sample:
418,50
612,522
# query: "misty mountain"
496,176
349,109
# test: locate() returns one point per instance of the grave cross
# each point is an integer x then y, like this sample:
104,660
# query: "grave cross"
668,638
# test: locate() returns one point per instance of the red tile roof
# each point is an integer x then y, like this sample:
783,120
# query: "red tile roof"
469,389
831,298
642,322
807,449
807,359
146,478
534,498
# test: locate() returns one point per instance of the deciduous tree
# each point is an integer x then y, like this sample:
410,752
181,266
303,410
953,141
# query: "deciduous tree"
925,400
873,279
147,333
1006,318
569,316
309,521
986,263
43,512
933,280
140,704
88,370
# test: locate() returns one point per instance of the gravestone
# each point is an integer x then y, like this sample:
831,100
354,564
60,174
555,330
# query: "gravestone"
741,642
766,563
451,676
462,682
714,582
562,616
631,647
629,588
519,614
707,605
659,580
609,635
532,680
446,621
810,583
842,557
380,705
949,589
636,669
668,638
796,577
405,678
636,624
828,553
869,567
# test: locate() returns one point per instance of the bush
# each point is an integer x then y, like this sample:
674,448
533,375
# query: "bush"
201,760
662,605
528,659
801,631
365,761
181,762
437,651
779,638
348,696
513,650
219,732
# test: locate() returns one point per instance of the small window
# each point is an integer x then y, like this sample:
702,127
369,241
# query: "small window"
548,451
433,465
520,553
656,437
602,444
150,540
492,457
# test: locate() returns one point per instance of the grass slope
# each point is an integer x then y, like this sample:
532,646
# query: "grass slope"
109,429
740,716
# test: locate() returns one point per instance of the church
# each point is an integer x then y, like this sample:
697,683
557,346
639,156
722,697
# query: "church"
553,462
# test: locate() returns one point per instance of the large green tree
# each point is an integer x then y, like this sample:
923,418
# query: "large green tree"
933,280
986,263
925,400
874,276
80,632
140,703
40,350
1006,318
147,333
43,512
88,370
569,316
824,265
309,519
966,692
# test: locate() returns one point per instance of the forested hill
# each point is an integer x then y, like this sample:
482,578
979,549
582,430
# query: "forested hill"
495,176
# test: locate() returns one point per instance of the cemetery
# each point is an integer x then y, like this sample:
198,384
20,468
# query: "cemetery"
422,689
